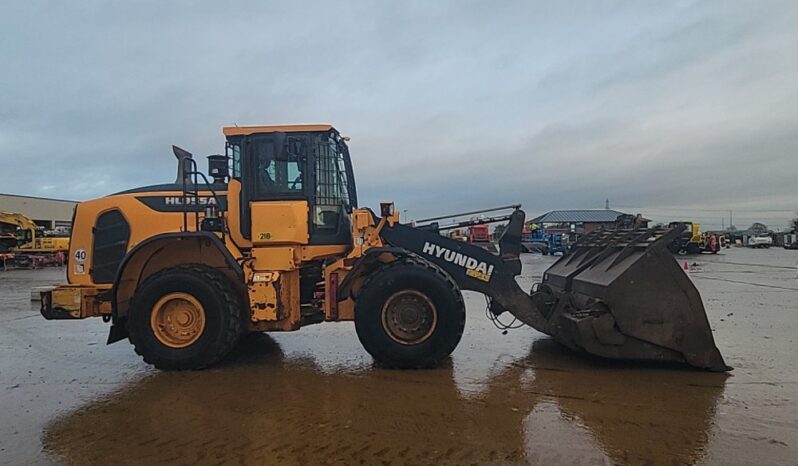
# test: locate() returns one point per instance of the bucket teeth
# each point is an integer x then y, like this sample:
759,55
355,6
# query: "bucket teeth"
620,294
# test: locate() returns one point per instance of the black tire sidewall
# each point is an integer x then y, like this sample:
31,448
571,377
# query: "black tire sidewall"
375,338
201,351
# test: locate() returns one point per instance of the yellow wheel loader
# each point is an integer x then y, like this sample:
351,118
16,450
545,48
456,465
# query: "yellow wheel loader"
184,269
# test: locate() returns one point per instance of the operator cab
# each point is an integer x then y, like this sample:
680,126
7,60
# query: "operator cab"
295,163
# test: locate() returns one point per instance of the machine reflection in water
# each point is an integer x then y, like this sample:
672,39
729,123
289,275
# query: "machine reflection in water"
261,406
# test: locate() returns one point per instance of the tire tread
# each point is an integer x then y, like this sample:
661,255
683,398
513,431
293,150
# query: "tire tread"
221,284
454,291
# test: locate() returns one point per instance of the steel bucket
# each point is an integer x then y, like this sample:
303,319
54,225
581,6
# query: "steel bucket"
621,294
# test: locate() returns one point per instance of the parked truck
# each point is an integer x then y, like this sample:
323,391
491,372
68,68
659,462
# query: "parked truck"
536,239
760,242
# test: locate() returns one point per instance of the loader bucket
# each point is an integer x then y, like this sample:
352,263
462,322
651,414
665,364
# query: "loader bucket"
620,294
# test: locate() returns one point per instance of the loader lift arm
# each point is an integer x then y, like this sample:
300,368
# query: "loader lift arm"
618,294
432,222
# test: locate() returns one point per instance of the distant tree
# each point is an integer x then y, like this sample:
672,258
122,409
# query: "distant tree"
794,223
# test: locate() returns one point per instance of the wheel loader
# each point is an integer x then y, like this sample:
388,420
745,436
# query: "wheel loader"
275,241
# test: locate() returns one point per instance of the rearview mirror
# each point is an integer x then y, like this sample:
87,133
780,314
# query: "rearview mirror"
295,147
280,149
288,148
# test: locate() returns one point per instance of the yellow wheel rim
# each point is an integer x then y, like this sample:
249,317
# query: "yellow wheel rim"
177,320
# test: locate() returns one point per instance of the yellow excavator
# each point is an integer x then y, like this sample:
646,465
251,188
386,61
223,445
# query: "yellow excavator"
31,245
276,241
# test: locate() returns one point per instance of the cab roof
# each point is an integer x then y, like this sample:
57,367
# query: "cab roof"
247,130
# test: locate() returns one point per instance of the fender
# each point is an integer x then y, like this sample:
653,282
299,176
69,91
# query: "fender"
369,261
118,331
362,265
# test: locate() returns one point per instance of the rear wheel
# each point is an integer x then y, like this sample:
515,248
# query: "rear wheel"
185,317
409,314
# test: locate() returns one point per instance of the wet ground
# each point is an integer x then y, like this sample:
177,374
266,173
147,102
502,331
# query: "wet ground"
313,396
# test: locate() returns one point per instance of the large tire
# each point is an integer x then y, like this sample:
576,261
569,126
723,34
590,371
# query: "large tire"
409,314
170,340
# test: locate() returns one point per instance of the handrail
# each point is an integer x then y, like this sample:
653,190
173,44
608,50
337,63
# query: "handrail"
193,174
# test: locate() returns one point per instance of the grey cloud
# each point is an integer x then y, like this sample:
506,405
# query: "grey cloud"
451,105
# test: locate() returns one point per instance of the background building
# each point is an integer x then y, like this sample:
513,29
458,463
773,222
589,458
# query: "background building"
46,212
578,222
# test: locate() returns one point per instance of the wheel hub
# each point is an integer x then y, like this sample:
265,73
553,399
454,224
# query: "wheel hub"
409,317
177,320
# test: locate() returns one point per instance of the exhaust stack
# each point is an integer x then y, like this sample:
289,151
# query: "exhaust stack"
183,157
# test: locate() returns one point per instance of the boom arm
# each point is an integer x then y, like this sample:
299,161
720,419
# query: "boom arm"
20,220
467,223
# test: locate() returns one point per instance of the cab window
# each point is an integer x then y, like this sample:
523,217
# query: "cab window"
234,154
276,176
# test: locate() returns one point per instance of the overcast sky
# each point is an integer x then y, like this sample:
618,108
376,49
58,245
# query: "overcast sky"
672,108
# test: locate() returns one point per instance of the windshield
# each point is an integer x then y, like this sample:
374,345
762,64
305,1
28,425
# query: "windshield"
334,185
332,181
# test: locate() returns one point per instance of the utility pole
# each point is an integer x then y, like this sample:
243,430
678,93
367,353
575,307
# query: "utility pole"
731,220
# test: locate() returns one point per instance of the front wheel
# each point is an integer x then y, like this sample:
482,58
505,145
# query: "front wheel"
409,314
185,317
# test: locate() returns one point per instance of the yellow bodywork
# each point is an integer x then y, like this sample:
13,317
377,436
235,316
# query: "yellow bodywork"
80,302
268,271
144,223
279,222
271,268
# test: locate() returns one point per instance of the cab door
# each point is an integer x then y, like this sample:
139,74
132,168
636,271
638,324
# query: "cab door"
275,198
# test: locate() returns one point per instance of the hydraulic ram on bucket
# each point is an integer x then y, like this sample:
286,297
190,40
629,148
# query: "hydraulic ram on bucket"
616,294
